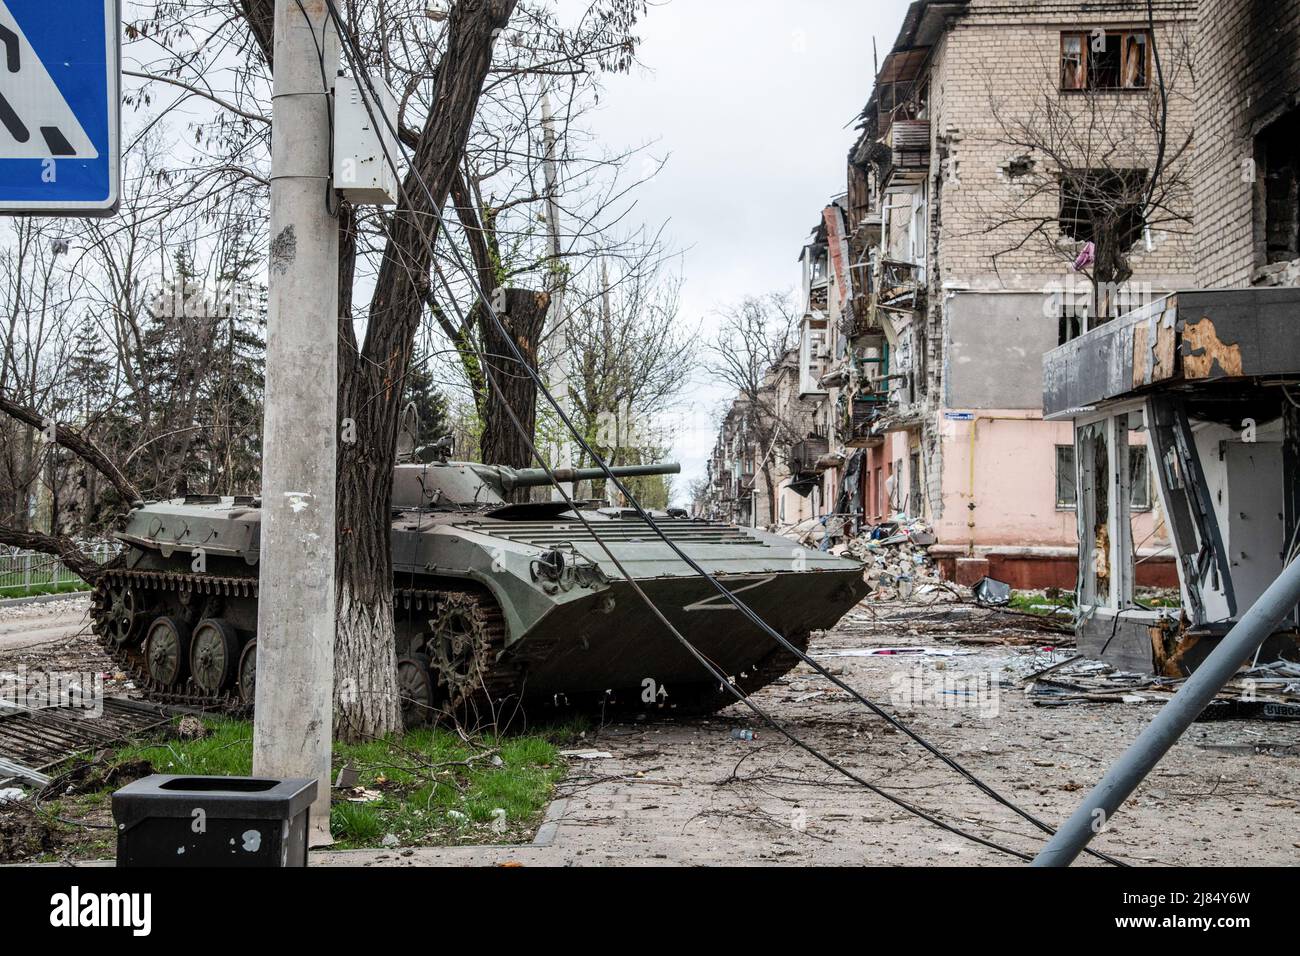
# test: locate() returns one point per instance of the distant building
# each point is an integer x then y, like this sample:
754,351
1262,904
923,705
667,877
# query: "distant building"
978,216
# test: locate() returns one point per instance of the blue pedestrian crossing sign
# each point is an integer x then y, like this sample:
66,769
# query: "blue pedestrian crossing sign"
60,92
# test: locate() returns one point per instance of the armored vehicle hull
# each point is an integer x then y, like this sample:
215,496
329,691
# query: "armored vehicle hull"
496,604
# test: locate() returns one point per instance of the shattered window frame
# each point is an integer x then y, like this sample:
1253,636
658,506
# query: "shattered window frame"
1130,71
1093,188
1140,487
1067,482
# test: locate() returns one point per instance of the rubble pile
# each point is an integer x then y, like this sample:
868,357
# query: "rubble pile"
897,557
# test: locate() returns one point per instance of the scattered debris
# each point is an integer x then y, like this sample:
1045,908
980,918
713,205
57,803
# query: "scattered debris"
586,754
191,728
897,557
746,734
893,652
12,794
390,839
990,592
347,778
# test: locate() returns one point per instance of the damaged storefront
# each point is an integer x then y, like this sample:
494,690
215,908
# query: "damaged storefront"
1200,391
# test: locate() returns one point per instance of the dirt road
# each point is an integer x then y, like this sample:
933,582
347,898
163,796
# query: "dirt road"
688,792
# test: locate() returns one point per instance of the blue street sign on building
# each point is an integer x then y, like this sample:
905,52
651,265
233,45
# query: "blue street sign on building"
59,99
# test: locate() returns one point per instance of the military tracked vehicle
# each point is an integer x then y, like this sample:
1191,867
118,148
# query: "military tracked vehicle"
496,603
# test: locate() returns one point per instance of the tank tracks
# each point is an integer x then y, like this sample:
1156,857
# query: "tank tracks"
154,591
486,682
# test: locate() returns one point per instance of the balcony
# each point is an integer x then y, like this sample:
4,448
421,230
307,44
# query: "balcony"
910,141
864,412
804,454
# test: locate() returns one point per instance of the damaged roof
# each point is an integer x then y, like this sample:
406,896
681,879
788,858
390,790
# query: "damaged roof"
923,25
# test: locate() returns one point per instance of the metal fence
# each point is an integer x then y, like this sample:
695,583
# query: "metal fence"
25,572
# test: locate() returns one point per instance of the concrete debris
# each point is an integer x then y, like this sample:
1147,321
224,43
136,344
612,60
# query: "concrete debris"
897,557
585,754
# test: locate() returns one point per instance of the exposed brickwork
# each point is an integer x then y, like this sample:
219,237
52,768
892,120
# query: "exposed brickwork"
998,68
1248,71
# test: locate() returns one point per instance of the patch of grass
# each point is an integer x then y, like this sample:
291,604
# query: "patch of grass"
1049,603
429,787
227,751
36,590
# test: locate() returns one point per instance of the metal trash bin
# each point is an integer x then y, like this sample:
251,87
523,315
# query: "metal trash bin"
168,820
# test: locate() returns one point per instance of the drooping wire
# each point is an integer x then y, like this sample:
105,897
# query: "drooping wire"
355,60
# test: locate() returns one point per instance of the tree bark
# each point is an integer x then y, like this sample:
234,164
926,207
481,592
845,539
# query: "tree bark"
371,379
511,388
61,546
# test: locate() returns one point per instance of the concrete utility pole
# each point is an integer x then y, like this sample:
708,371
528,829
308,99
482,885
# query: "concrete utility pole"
1238,645
295,618
559,338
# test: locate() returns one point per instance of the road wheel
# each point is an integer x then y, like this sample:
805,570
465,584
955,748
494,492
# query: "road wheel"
214,654
247,681
167,651
415,687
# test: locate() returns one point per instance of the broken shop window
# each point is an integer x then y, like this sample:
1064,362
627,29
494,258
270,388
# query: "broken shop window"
1105,60
1139,480
1277,161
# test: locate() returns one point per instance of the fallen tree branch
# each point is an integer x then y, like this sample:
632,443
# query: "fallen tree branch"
81,446
61,547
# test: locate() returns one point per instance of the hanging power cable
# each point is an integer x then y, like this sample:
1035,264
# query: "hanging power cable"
370,99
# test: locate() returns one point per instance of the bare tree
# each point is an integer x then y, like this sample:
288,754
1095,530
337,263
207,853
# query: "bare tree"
1092,174
444,66
756,337
629,360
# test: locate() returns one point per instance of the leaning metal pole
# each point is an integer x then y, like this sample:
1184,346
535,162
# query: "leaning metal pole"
1122,779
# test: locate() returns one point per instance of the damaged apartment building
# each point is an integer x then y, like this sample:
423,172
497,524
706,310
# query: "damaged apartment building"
982,228
1202,386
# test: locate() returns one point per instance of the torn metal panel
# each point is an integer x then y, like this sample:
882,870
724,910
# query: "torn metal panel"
1193,524
1186,337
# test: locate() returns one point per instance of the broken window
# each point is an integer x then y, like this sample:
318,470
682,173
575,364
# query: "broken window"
1072,321
914,506
1067,492
1103,206
1105,60
1277,161
1072,76
1139,477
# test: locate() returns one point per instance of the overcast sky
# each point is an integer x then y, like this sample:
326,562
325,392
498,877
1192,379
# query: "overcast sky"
754,103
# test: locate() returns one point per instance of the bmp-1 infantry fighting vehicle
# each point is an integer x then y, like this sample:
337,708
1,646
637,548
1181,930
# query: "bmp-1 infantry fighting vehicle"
494,601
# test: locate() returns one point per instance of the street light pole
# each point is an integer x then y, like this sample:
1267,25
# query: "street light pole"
295,618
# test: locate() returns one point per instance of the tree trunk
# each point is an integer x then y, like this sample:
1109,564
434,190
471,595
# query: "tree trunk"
511,388
370,385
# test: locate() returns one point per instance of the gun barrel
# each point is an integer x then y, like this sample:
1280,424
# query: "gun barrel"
530,477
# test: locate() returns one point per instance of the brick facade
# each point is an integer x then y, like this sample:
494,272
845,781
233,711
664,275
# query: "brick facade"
1248,71
998,67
